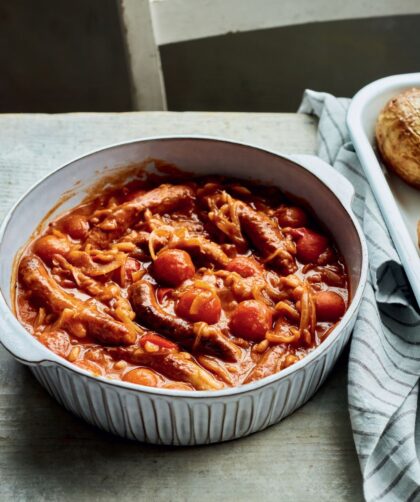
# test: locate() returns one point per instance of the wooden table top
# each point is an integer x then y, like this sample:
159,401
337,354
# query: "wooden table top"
48,454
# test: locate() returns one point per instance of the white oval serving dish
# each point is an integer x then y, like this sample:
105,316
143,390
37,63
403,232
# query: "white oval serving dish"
170,416
399,202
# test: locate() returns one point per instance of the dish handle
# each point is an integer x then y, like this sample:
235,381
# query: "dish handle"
340,185
25,349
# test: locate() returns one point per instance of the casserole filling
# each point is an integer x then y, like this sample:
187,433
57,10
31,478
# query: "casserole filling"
188,284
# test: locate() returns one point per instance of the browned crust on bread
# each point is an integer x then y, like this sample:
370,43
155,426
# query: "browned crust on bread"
398,136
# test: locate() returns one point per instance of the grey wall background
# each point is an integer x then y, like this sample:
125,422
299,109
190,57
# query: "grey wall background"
268,70
70,56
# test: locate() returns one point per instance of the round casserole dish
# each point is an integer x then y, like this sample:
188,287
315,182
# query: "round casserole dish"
172,416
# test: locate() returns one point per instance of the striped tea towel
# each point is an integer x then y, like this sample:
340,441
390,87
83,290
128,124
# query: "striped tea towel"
384,363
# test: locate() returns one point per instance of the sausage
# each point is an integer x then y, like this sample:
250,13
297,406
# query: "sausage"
202,247
264,234
104,328
163,199
151,314
267,237
175,365
195,244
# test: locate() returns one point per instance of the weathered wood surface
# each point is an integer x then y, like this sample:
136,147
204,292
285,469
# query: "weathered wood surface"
48,454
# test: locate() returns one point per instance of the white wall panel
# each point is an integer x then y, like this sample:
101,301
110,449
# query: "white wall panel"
180,20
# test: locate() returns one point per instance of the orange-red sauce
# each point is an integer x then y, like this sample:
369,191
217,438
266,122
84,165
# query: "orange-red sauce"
197,284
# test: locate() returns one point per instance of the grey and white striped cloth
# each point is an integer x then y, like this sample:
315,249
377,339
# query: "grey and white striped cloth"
384,362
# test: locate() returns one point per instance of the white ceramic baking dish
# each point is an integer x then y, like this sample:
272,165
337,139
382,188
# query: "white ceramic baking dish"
399,202
170,416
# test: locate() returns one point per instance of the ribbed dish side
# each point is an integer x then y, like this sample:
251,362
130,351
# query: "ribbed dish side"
181,420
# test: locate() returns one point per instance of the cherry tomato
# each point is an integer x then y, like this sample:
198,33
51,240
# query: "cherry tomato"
291,216
245,267
310,245
76,225
49,245
330,306
142,376
57,341
161,342
199,305
251,320
173,267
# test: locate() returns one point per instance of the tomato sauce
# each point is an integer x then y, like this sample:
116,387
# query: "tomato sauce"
195,284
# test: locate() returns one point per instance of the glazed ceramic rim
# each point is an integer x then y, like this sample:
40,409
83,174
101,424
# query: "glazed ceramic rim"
53,359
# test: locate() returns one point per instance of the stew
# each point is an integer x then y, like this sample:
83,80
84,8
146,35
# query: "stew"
189,284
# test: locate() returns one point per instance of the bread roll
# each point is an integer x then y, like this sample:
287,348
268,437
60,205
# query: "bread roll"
398,136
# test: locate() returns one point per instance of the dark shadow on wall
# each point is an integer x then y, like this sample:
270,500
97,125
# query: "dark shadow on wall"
267,70
62,56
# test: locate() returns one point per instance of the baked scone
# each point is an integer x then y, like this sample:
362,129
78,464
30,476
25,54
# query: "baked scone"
398,136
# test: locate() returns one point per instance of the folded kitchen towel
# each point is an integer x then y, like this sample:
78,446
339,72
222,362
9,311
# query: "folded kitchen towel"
384,362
